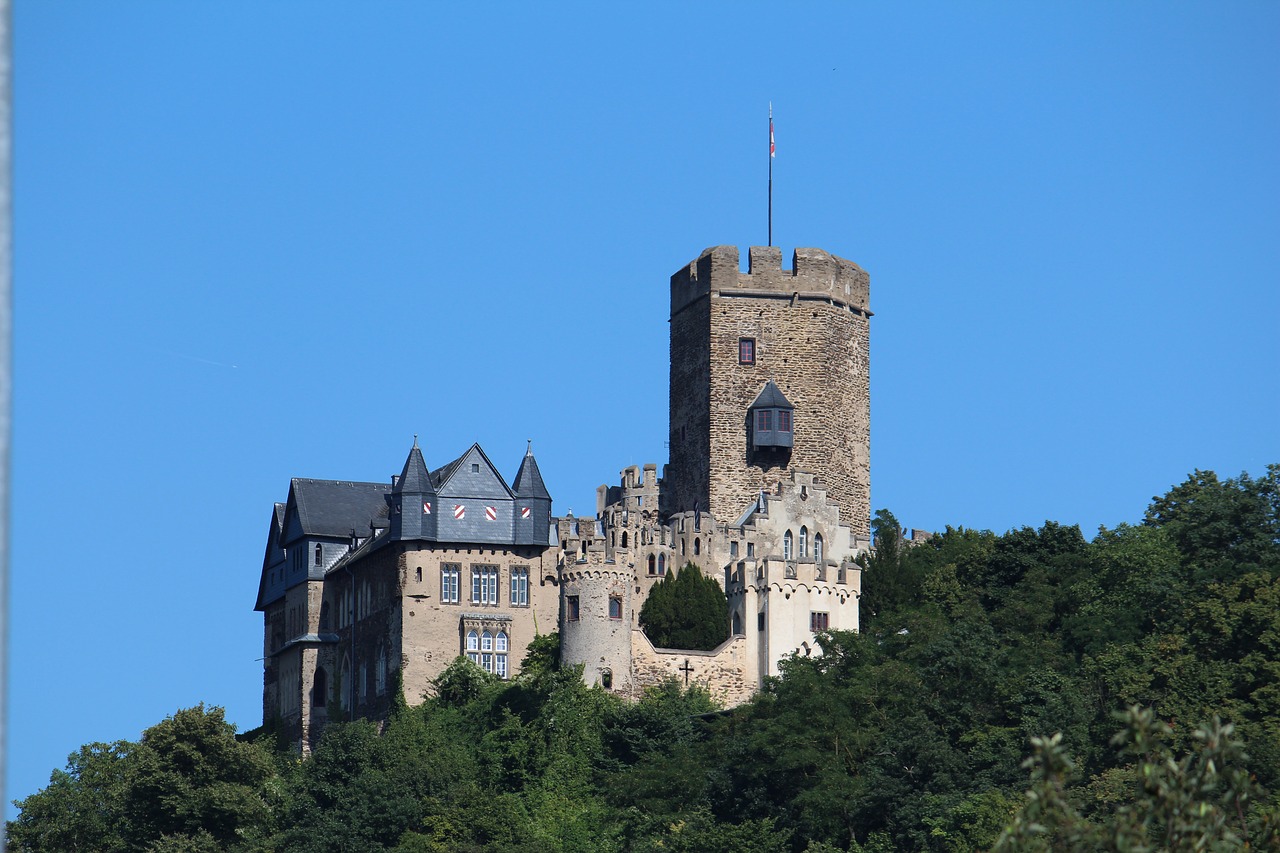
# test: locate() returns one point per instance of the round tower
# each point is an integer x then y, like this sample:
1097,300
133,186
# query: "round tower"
596,619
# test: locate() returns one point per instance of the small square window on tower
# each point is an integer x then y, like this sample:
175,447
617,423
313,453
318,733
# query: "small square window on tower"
746,350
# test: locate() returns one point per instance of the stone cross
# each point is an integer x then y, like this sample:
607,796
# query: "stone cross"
686,669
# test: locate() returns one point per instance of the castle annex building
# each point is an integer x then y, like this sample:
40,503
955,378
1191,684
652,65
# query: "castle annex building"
366,586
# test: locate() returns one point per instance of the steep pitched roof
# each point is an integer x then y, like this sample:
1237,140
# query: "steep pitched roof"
274,532
273,557
445,471
441,476
414,479
334,507
771,398
528,483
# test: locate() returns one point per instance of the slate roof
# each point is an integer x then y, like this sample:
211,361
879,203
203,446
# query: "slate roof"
414,479
771,398
443,473
334,507
528,482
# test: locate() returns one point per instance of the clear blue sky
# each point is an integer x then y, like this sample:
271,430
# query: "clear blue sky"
257,241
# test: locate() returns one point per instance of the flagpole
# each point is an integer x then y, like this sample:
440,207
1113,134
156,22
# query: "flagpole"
771,173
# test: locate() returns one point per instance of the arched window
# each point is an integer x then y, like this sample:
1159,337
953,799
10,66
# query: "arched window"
652,565
804,542
662,564
697,546
486,642
320,688
606,679
380,671
624,539
473,641
500,643
364,680
786,545
682,543
319,553
737,622
817,547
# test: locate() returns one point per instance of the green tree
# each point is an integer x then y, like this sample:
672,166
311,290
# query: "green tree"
686,611
189,778
82,809
1199,802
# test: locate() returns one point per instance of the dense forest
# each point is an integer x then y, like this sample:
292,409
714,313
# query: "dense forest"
1027,691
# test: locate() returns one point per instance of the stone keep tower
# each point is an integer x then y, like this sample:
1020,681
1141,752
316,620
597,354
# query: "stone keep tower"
769,372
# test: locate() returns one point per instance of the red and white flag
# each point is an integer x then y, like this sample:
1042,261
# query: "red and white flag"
491,513
426,507
459,511
524,512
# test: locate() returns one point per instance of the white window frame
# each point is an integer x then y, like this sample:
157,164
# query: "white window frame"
450,579
484,584
520,587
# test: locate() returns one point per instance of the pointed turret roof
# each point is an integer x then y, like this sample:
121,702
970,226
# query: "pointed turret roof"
528,483
771,398
414,479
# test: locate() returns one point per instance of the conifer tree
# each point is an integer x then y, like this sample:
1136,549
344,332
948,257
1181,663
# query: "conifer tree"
686,611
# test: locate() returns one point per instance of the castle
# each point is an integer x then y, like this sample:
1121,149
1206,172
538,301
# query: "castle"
368,585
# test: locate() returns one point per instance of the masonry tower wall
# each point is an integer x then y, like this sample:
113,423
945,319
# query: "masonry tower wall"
596,618
810,333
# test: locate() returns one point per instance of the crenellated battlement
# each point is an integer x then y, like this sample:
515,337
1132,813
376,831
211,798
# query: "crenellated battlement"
814,274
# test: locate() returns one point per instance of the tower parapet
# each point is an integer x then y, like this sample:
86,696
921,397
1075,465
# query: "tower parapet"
814,274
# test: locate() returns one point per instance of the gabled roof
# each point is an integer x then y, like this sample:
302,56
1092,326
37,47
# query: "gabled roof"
273,556
528,483
414,479
334,507
441,476
771,398
274,532
444,472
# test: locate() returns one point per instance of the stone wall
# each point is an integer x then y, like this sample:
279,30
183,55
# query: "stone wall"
727,672
431,629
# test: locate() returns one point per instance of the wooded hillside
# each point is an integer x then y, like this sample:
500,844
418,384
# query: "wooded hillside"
977,650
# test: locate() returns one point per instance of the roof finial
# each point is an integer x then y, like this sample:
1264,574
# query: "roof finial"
529,450
415,439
